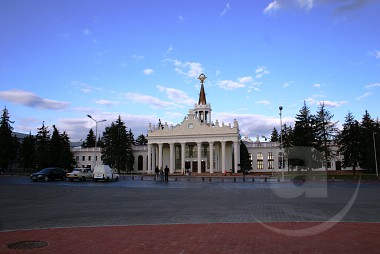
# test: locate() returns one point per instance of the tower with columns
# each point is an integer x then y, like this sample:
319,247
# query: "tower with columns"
197,144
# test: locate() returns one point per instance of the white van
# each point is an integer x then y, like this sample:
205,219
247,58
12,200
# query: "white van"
104,172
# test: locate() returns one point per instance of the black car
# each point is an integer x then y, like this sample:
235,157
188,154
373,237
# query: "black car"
49,174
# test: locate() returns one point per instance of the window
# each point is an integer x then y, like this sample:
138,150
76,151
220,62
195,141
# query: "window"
270,160
260,161
77,158
83,158
89,158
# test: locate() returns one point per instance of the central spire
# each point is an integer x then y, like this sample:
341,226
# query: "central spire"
202,94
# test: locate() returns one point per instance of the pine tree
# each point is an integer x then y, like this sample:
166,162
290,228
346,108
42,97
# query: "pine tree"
27,152
366,142
275,136
325,131
90,140
7,142
55,148
68,161
59,150
42,147
303,129
245,162
349,142
117,146
141,140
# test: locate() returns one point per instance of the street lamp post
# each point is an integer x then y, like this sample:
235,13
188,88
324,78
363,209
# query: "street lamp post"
96,135
282,146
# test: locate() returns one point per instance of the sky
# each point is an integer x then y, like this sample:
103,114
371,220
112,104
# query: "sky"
64,59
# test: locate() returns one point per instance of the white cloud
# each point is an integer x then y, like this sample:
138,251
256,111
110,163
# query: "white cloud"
364,96
30,99
334,104
138,58
253,124
106,102
287,84
317,85
189,69
170,49
276,5
230,84
373,85
148,100
177,96
378,54
272,7
181,18
245,80
225,10
148,71
87,32
84,87
261,72
264,102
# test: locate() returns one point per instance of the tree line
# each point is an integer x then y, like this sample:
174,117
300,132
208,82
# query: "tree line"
356,141
47,149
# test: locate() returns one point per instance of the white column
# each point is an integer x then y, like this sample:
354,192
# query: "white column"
149,159
199,148
153,157
211,145
236,155
160,155
223,156
183,157
171,159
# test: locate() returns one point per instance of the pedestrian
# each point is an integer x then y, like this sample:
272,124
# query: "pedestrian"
161,175
157,171
166,173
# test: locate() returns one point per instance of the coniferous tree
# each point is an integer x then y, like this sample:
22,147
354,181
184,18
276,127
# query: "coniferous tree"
141,140
67,156
130,156
27,152
42,147
55,147
275,136
7,142
245,162
325,130
366,142
90,140
349,142
117,146
303,134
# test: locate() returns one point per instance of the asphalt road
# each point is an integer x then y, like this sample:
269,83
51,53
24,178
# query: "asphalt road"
31,205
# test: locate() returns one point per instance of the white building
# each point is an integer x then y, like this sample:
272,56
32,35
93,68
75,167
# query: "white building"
200,145
197,144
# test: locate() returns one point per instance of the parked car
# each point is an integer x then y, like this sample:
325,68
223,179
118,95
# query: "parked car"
104,172
81,174
49,174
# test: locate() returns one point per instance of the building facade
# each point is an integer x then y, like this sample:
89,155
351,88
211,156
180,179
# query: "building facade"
200,145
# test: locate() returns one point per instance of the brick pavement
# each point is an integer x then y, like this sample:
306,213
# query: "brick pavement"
199,238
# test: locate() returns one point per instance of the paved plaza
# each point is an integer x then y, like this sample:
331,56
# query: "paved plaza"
189,215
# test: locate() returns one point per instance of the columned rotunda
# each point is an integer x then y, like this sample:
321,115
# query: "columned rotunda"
197,144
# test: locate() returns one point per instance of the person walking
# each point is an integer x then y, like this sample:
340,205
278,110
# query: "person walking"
157,171
166,173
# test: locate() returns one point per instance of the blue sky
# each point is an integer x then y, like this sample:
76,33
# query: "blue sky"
62,60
